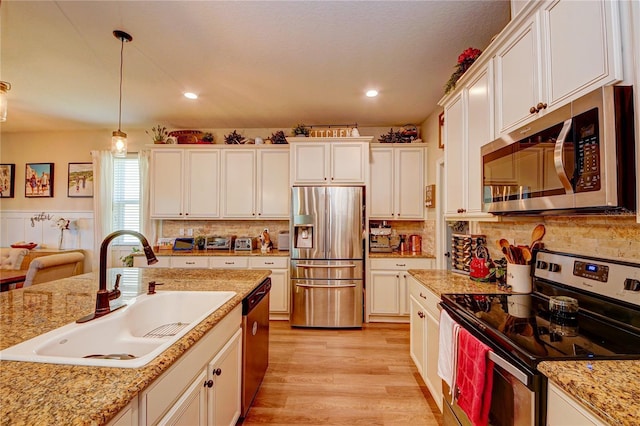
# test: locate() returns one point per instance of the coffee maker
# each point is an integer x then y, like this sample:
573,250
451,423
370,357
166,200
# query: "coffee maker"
380,240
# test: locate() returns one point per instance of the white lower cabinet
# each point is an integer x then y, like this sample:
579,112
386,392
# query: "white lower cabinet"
203,386
424,336
280,294
564,410
387,293
128,416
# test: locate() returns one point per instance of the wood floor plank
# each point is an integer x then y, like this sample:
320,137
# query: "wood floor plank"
342,377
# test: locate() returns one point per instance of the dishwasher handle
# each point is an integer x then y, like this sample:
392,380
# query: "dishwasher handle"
254,298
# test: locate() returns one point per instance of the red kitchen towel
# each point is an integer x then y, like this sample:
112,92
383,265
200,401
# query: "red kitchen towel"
474,378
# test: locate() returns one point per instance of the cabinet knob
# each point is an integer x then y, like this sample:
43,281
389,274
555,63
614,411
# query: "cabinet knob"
216,372
186,214
420,314
180,214
541,106
533,110
461,210
208,384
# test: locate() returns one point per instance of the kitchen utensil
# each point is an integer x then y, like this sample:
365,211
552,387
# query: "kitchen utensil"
526,254
537,234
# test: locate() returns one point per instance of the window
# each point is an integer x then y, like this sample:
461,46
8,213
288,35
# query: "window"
126,198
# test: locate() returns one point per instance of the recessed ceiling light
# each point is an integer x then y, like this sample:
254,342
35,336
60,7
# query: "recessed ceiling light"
372,93
190,95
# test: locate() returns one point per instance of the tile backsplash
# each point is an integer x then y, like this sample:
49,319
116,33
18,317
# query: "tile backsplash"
239,228
613,237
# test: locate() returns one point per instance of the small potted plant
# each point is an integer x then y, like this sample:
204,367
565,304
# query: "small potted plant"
278,137
127,260
208,137
233,138
158,133
300,130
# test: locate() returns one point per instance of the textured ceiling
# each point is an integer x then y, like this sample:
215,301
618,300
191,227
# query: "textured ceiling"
254,64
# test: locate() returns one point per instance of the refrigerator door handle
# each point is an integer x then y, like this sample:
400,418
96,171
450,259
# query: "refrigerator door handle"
308,265
325,285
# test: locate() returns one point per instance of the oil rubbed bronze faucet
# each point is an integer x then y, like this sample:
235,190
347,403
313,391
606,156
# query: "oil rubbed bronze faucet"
104,296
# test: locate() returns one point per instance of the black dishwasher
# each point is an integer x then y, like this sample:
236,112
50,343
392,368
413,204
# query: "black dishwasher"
255,342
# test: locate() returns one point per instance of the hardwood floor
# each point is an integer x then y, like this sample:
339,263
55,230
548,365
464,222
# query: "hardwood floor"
342,377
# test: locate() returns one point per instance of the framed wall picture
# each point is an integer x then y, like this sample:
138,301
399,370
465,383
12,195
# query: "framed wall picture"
7,180
38,180
80,182
441,130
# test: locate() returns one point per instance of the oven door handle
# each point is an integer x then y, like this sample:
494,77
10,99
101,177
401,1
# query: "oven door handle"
325,285
558,157
504,364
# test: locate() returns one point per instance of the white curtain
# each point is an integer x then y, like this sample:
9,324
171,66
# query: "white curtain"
102,199
148,226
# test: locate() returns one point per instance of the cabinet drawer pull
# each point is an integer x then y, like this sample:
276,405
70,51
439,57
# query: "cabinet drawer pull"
268,263
401,264
229,263
423,296
190,263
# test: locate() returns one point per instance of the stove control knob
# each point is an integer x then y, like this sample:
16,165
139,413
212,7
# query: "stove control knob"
631,284
542,264
554,267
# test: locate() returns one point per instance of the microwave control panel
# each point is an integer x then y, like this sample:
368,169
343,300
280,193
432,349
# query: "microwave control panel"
587,151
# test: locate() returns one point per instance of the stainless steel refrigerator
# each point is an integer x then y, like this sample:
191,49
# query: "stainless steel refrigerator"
327,256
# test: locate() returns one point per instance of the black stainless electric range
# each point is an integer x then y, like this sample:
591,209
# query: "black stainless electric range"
522,330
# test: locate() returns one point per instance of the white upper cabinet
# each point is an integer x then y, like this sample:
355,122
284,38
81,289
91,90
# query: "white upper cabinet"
397,182
582,41
273,192
467,126
558,52
333,161
518,77
454,156
184,183
239,183
255,183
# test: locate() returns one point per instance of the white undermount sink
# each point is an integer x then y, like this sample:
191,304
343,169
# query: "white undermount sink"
129,337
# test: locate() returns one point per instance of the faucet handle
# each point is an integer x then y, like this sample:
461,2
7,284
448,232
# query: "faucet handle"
152,287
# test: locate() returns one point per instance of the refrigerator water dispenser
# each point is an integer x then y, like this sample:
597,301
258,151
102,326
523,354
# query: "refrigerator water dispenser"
303,236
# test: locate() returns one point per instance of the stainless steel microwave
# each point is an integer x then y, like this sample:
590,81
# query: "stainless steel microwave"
578,158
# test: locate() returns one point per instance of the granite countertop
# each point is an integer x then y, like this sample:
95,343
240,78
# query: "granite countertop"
441,281
39,393
608,389
208,252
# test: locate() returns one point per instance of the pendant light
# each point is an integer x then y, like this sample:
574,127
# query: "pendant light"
4,88
119,138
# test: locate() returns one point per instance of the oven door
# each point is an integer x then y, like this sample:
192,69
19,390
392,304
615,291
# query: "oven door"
518,396
512,402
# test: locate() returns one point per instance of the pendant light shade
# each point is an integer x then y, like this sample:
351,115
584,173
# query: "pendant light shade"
119,138
4,88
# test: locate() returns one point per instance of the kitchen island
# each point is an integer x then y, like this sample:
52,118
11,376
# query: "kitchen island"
39,393
607,389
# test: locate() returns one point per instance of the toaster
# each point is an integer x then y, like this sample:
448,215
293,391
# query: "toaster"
245,243
283,240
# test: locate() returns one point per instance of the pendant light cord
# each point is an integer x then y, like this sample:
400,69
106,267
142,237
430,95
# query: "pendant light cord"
120,103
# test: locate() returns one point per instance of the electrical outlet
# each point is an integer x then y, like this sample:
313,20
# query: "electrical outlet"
181,232
190,232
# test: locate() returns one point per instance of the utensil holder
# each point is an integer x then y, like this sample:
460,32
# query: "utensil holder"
519,278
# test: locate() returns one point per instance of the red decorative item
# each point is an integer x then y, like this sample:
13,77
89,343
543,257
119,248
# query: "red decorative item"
465,60
480,266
